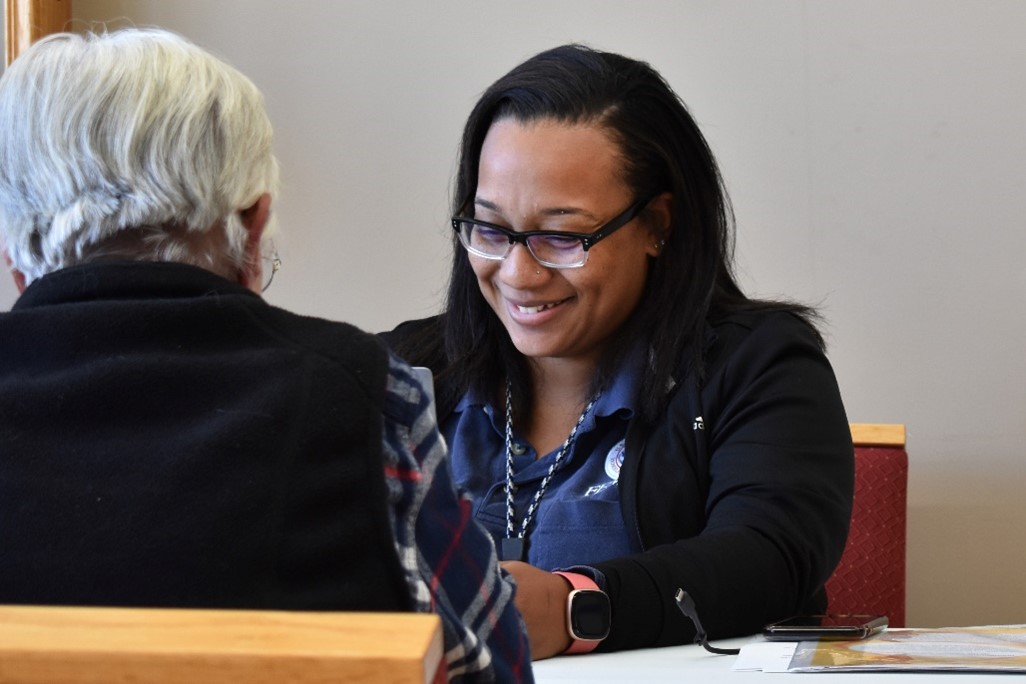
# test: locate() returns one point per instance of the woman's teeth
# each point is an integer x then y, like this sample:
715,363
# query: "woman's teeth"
534,309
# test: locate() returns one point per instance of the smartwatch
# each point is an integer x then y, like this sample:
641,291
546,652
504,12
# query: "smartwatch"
588,613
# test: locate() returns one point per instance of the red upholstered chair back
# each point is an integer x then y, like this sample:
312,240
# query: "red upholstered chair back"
871,575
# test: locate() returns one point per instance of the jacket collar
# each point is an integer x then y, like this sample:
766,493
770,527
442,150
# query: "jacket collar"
123,280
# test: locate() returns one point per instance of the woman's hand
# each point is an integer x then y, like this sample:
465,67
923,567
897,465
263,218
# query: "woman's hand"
541,598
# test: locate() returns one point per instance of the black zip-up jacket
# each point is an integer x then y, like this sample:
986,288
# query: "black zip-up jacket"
740,492
167,438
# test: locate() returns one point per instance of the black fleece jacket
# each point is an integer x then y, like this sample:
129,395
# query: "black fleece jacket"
740,492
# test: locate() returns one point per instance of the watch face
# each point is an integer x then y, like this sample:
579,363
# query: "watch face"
590,615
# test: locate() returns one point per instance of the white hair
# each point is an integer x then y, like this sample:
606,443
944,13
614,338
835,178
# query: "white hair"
134,142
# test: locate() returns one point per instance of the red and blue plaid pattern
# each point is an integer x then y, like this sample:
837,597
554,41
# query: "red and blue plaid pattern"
450,561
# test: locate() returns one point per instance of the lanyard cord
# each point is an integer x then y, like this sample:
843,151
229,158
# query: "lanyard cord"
511,488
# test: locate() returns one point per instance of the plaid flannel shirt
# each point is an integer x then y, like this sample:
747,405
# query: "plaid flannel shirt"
450,562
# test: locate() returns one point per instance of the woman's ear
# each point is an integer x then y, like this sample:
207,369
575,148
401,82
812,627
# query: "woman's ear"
254,217
19,277
659,221
254,220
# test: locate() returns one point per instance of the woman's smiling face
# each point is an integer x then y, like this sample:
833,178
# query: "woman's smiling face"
548,175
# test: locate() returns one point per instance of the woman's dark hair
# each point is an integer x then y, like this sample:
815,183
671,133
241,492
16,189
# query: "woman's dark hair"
663,151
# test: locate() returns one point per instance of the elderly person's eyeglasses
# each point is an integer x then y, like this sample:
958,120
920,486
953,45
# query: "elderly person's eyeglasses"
272,264
551,248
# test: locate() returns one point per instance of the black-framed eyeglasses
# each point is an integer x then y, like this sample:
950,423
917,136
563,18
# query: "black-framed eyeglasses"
550,248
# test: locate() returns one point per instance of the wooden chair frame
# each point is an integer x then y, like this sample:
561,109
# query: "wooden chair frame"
88,645
878,434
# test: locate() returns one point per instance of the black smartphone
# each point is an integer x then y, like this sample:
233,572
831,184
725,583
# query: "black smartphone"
815,627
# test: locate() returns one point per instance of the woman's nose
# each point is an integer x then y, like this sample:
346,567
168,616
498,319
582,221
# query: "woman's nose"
520,268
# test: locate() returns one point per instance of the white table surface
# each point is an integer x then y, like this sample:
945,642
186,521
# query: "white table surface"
694,664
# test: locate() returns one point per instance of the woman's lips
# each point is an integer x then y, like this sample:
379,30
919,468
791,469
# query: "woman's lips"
535,313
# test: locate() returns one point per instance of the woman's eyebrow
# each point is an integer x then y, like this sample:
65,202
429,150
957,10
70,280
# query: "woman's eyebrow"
485,204
550,211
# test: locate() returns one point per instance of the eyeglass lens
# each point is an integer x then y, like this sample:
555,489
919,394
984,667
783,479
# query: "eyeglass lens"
547,249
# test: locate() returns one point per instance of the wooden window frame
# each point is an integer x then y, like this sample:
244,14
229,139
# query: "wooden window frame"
26,21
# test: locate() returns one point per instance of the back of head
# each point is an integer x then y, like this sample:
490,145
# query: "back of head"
132,144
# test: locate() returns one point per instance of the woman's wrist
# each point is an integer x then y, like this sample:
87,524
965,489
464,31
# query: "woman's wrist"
588,614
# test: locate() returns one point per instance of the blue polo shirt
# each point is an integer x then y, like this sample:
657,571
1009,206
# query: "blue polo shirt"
578,520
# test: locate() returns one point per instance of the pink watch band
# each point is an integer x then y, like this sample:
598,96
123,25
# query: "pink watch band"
578,582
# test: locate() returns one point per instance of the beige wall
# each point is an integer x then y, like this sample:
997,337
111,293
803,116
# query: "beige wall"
876,156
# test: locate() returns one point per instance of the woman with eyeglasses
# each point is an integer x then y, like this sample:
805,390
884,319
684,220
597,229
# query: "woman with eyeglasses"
626,420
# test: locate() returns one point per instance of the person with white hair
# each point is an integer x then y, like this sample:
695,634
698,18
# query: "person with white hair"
167,437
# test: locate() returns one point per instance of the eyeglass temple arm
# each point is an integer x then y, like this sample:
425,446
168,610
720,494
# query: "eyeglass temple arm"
686,604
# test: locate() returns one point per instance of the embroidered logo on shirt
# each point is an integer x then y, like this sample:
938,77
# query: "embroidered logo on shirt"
614,461
699,423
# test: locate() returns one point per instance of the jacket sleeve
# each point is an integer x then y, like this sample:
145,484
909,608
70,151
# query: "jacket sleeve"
743,492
